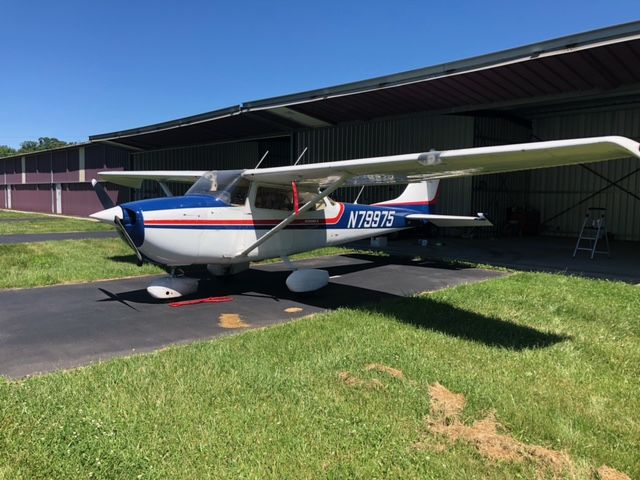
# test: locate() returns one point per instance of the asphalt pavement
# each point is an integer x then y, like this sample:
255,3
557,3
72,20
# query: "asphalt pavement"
51,328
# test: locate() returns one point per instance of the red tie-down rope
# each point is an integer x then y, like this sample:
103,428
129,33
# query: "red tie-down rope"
184,303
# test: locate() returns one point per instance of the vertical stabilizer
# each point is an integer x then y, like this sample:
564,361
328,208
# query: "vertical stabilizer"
417,196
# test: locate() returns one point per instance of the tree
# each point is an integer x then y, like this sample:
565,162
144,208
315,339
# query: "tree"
46,143
28,146
6,151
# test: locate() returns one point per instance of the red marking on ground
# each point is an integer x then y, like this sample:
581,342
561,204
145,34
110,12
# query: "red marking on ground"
185,303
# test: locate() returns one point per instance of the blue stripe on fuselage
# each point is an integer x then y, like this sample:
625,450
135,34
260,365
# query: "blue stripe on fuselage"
353,217
175,203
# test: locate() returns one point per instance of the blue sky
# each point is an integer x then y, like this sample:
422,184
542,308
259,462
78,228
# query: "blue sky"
76,68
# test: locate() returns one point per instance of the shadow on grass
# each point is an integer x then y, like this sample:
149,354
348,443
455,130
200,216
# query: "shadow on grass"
437,316
124,259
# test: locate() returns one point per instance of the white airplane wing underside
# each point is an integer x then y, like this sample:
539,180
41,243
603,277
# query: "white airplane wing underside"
450,163
134,179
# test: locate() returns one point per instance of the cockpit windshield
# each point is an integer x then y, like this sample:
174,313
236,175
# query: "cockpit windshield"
227,186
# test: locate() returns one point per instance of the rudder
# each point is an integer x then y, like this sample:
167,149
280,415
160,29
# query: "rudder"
416,196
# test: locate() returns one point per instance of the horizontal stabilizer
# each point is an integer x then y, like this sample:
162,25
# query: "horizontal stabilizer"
452,220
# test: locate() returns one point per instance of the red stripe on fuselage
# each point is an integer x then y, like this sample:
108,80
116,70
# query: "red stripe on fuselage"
305,221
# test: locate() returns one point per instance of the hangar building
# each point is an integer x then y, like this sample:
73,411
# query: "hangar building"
576,86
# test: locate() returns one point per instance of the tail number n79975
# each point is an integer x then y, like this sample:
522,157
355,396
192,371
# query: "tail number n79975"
371,219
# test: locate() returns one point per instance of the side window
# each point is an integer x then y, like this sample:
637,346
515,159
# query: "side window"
274,198
307,197
239,195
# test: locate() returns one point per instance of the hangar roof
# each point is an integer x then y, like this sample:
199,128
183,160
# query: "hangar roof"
599,64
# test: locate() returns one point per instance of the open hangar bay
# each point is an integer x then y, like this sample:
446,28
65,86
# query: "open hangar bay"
576,86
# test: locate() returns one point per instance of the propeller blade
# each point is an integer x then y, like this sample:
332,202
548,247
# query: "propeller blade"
104,198
127,238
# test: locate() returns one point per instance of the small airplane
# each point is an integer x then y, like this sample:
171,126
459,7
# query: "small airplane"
229,218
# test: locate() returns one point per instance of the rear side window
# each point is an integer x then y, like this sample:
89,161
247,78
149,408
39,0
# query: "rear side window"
274,198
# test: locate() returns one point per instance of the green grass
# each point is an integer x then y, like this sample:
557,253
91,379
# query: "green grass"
72,261
15,214
67,261
556,358
326,252
46,224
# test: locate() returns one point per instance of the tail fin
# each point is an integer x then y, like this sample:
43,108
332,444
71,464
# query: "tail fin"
417,196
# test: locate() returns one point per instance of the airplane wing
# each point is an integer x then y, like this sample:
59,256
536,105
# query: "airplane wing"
134,179
450,163
415,167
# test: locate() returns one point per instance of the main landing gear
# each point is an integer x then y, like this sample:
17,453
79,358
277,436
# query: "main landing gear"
305,279
177,285
173,286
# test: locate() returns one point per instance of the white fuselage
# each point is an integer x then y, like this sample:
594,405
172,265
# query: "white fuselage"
218,235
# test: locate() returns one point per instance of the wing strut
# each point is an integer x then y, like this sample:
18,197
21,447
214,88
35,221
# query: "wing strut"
327,191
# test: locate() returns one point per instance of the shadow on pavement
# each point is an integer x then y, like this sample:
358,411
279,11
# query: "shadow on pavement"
268,281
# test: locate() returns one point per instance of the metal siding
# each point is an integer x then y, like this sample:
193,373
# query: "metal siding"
116,158
64,165
279,152
33,197
81,200
95,160
16,176
204,157
45,169
3,196
31,169
104,157
553,191
73,163
5,168
389,137
59,166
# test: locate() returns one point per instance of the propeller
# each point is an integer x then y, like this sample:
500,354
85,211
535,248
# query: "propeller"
103,196
118,213
123,233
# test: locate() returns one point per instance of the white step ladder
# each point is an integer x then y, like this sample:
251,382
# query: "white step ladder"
594,228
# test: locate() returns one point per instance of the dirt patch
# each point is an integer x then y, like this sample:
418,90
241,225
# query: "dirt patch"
608,473
394,372
444,419
444,403
293,309
231,320
351,380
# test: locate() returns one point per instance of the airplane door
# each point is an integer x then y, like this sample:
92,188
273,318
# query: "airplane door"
269,205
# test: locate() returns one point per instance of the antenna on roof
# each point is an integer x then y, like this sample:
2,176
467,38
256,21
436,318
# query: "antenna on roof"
263,157
301,155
